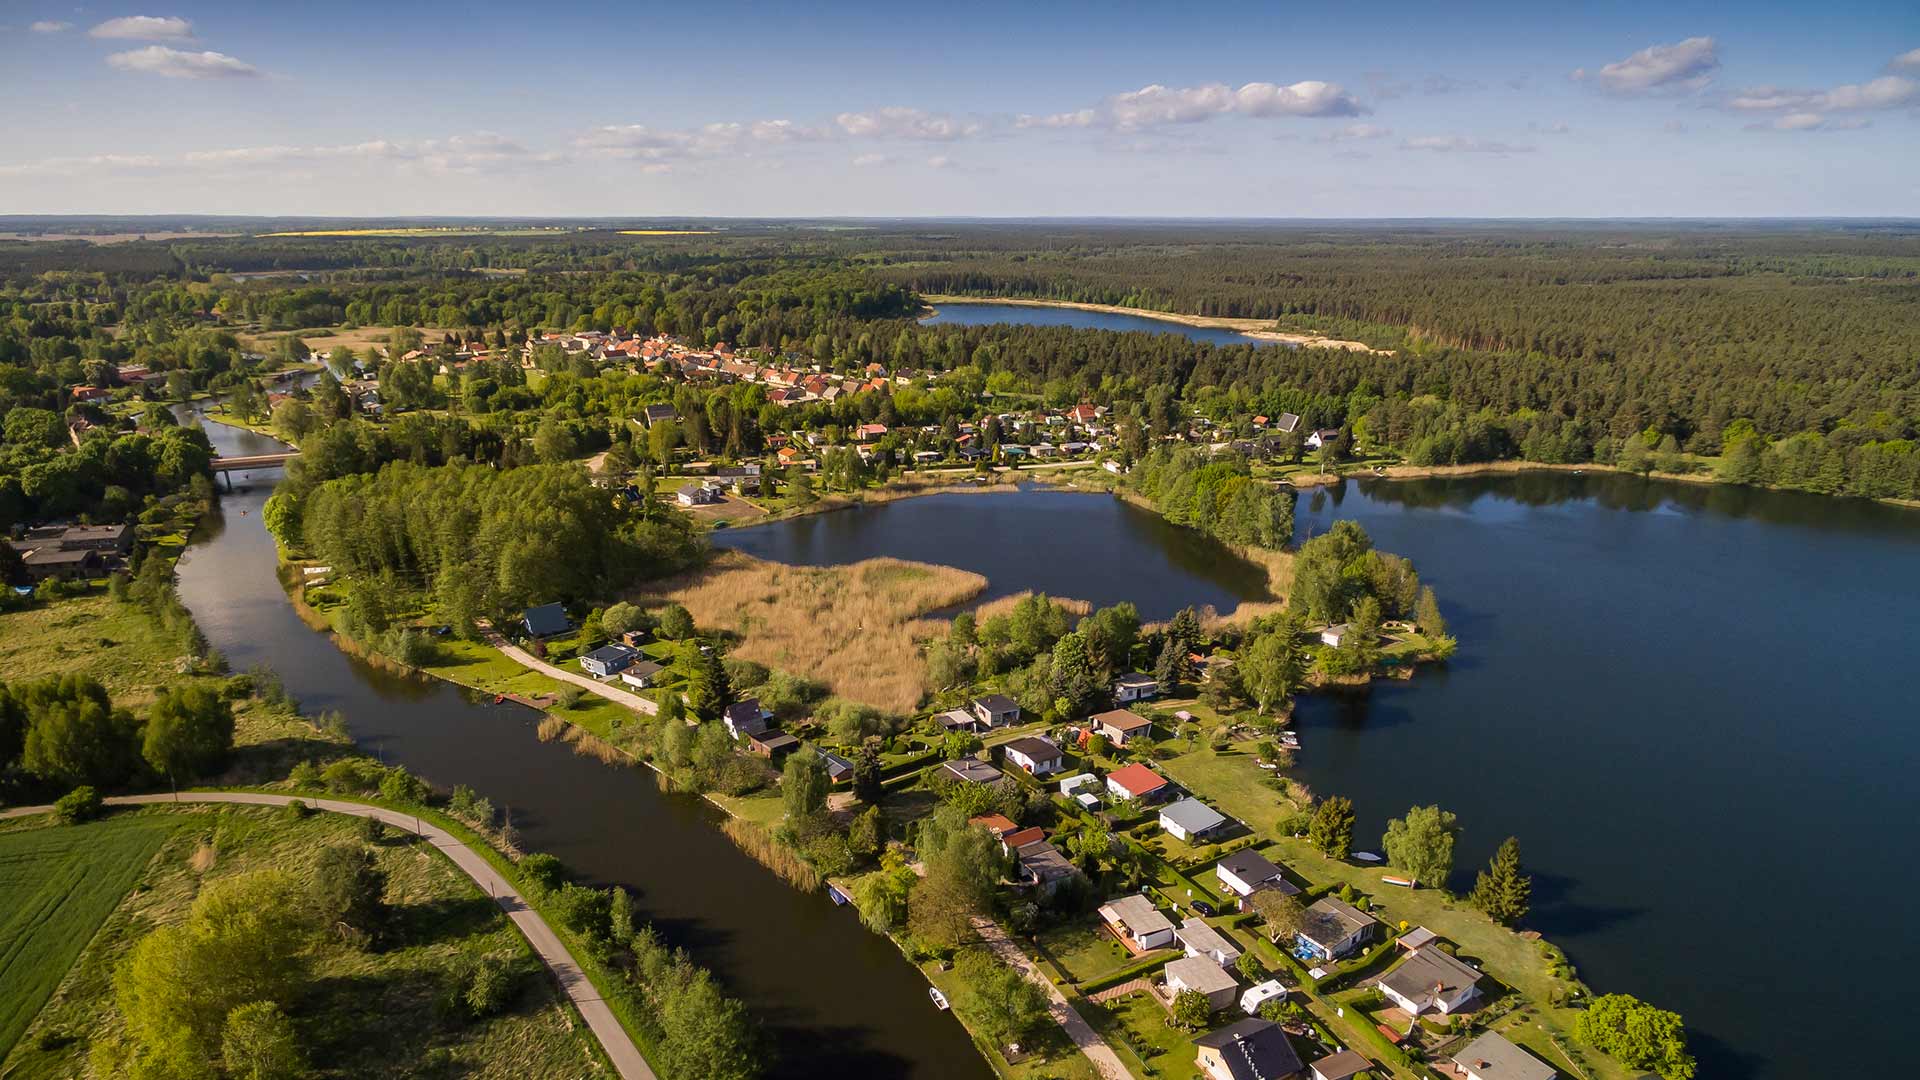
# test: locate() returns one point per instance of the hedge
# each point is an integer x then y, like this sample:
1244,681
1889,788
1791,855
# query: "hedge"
1131,971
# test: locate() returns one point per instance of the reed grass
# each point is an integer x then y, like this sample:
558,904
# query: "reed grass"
768,851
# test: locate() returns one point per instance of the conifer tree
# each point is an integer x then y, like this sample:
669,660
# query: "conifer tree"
1501,890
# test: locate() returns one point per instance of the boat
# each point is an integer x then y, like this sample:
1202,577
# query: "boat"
834,894
939,999
1366,856
1405,883
498,698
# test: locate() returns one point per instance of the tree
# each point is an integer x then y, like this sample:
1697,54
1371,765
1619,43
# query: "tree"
620,617
1363,634
1282,914
1077,685
1422,843
803,787
964,631
882,896
996,1000
865,832
708,690
868,780
1332,828
1638,1035
259,1043
74,735
81,804
705,1033
676,623
1501,890
348,893
1324,584
1426,614
1249,967
1192,1010
281,515
189,732
1273,667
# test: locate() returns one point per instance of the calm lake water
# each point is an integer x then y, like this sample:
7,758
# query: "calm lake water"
839,1001
1074,544
965,314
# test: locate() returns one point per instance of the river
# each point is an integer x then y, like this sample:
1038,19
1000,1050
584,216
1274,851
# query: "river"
968,313
838,1000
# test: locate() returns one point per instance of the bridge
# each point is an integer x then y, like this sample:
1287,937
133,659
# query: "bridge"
226,466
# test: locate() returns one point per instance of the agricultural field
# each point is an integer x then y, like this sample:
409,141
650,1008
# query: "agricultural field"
116,643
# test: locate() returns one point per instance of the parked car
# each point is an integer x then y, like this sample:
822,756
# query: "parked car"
1204,908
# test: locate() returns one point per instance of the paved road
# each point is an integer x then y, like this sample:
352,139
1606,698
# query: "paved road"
606,1027
1082,1033
591,685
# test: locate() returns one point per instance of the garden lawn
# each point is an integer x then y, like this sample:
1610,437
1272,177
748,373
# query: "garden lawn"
1233,782
1084,950
475,664
57,885
1144,1029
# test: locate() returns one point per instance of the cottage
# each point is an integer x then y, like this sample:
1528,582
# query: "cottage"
1119,725
1135,686
52,561
1019,838
1199,974
608,660
1431,980
1038,756
1190,819
704,493
959,720
1492,1057
659,414
995,710
94,538
1334,928
1136,782
1344,1065
1137,923
1204,941
1043,867
1416,939
545,620
1077,781
745,718
1250,1049
839,769
1287,423
641,673
1322,437
1334,636
970,771
772,744
870,432
1247,871
997,824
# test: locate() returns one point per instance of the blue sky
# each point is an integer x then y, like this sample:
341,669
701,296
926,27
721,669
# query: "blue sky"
1263,110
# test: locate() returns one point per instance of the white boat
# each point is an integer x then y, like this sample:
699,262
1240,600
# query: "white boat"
939,999
1366,856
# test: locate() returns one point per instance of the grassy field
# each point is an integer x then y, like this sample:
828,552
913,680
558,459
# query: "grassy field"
851,627
56,887
1145,1030
475,664
365,1013
95,635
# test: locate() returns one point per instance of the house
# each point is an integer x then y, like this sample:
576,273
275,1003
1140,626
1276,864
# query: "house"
1344,1065
1259,994
1204,941
1135,686
52,561
1202,975
970,771
1416,939
1322,437
870,432
659,414
1119,725
545,620
1077,781
1247,871
1492,1057
1250,1049
1019,838
772,744
839,769
1135,782
705,493
641,673
997,824
1431,980
745,718
1042,866
996,709
1334,928
94,538
1287,423
1137,923
1038,756
959,720
1334,635
1190,819
608,660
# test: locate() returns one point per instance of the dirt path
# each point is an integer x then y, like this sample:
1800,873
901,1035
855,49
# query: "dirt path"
1088,1040
606,1027
592,686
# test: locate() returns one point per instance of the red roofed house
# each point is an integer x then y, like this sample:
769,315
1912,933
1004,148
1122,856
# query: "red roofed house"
871,432
997,824
1136,782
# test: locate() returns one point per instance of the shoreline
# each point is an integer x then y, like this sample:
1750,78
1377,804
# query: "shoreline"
1261,329
1309,481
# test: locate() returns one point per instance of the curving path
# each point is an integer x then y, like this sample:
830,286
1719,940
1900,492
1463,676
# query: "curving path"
592,686
1105,1061
606,1027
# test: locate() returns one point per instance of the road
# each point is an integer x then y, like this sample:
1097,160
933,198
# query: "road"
1082,1033
606,1027
591,685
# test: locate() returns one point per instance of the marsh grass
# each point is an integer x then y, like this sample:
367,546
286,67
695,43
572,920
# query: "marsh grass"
759,842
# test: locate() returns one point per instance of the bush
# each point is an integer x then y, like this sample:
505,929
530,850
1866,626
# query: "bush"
295,810
486,985
81,804
401,786
541,873
305,776
567,697
372,829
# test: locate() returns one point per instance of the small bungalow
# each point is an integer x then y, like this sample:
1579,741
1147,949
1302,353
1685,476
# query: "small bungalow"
1204,941
997,824
545,620
705,493
1202,975
1250,1049
1035,755
641,673
1334,635
1322,437
1137,923
1019,838
659,414
1334,929
51,561
1190,819
1246,871
1492,1057
1416,939
839,769
772,744
959,720
1135,686
1431,981
1286,423
1344,1065
996,710
1119,725
744,718
970,771
1136,782
1043,867
1077,781
608,660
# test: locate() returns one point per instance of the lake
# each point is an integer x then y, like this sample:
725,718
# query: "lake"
971,314
1074,544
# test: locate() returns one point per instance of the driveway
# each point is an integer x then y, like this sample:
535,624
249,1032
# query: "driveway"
613,1038
592,686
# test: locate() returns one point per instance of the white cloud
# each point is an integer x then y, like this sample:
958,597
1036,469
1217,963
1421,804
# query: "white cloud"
145,28
869,161
1674,127
178,64
75,166
1462,144
50,26
455,153
1906,61
1885,92
1683,66
1551,129
1357,131
941,161
899,122
1812,121
664,145
1158,106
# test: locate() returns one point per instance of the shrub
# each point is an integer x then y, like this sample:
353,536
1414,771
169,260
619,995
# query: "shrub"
541,873
567,697
401,786
295,810
81,804
372,829
486,985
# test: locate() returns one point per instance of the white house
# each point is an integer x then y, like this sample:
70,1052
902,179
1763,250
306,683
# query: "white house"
608,660
1119,725
1492,1057
1135,686
1199,939
641,673
1077,781
1246,870
1431,981
1320,438
1135,781
745,718
995,710
1334,635
1204,976
1138,923
1341,1066
1035,755
1190,819
1334,928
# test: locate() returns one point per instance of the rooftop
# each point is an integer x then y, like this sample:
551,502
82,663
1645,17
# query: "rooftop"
972,770
1120,720
1250,866
1195,934
1200,973
1137,914
1137,779
1331,919
1253,1049
1193,816
1034,747
1492,1057
1427,974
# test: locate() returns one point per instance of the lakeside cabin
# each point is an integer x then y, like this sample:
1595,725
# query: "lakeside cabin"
1202,940
1135,686
1493,1057
1035,755
1431,981
744,718
1334,929
1119,725
609,660
1250,1049
996,710
1137,923
1334,636
545,620
1203,976
1190,819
